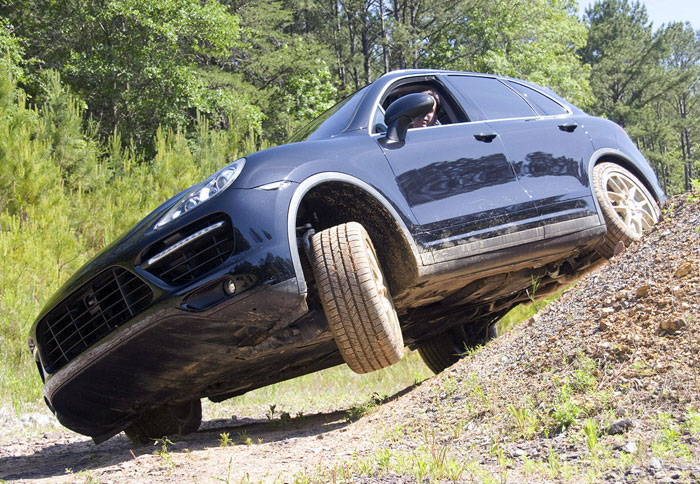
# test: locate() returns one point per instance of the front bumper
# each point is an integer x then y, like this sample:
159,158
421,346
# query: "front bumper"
168,355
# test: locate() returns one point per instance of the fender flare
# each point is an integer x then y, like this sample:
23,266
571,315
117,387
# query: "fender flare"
314,180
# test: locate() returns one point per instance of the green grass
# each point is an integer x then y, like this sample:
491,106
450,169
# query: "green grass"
337,388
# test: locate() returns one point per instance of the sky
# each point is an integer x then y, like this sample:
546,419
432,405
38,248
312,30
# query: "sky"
665,11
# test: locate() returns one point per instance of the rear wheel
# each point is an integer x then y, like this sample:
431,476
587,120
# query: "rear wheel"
448,348
355,298
627,206
182,418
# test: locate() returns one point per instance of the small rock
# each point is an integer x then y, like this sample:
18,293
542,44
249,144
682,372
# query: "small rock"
37,419
574,456
630,447
84,460
643,290
619,427
672,324
519,452
606,312
684,269
619,248
655,463
664,301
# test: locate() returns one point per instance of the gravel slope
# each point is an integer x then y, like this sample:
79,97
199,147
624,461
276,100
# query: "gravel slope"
621,347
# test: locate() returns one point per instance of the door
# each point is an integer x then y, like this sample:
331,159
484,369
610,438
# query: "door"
461,188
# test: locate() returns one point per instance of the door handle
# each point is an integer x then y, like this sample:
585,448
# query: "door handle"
569,128
486,138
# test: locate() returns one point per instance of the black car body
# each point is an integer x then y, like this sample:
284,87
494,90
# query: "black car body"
221,299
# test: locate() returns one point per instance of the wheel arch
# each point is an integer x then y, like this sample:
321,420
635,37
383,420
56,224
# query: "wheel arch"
620,158
342,198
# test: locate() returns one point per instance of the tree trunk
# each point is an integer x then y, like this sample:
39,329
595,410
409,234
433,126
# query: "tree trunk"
385,46
366,43
339,45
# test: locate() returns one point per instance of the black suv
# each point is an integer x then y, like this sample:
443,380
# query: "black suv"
371,231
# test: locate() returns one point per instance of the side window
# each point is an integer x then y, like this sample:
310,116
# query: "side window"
447,112
494,99
545,105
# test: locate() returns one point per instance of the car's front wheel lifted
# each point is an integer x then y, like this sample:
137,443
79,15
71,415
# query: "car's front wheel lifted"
448,348
627,206
178,419
355,298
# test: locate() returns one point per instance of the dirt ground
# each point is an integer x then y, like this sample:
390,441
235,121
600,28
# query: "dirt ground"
276,451
637,319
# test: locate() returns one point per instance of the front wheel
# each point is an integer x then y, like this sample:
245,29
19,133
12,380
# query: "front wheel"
178,419
627,206
355,298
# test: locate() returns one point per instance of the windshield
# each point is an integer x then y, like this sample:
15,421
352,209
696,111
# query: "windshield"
332,121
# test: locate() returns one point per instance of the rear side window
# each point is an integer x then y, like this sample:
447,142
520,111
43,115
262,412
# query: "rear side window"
545,105
494,99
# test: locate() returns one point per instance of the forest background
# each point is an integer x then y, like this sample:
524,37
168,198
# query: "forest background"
110,107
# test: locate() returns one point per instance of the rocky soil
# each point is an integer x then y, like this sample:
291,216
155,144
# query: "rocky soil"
601,386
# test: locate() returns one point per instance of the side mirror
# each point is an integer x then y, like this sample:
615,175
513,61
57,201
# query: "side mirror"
404,111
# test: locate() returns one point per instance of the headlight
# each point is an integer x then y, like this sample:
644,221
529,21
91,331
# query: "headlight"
206,190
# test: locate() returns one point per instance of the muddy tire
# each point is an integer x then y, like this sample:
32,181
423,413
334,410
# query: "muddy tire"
627,206
355,298
180,419
448,348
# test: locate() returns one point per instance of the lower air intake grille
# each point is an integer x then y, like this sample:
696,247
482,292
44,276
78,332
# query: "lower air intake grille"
89,314
192,252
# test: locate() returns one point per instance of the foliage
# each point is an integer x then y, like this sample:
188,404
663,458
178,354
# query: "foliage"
624,54
10,48
533,39
565,411
647,81
281,64
358,411
135,63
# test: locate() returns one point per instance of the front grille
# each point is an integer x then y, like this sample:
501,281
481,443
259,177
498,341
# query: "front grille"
92,312
190,253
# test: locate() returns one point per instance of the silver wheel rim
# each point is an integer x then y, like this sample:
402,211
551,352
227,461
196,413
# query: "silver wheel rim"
630,202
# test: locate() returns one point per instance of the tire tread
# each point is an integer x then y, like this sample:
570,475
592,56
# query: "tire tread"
368,337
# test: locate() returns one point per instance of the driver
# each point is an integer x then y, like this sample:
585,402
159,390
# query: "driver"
430,119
